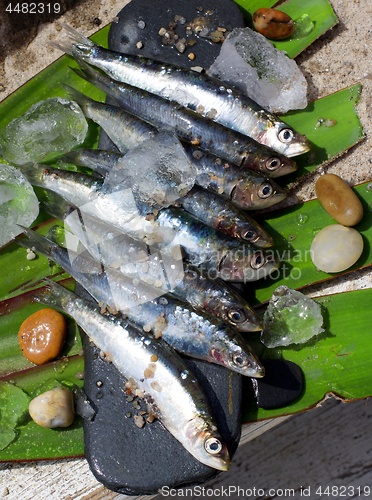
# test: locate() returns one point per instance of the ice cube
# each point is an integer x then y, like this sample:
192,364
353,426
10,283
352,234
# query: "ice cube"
290,318
158,171
48,128
18,203
252,64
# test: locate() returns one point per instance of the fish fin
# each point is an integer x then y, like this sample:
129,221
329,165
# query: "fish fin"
74,43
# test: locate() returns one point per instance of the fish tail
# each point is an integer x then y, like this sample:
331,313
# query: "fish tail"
74,43
83,100
56,206
41,244
54,295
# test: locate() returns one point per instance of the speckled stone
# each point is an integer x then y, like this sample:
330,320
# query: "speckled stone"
126,458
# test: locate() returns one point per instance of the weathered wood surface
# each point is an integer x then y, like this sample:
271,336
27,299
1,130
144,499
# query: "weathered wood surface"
327,446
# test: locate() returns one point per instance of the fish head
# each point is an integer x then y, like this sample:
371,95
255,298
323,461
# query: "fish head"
283,139
248,265
238,356
272,164
204,442
256,193
253,234
243,318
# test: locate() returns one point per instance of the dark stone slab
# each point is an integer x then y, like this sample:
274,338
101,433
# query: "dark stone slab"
136,461
282,384
141,20
125,458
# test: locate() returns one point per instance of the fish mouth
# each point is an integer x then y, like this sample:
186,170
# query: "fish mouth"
299,146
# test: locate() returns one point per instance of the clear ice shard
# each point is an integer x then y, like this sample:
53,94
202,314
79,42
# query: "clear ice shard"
47,129
290,318
158,171
252,64
18,203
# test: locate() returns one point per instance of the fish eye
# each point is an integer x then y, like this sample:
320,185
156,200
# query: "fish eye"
249,235
191,274
213,446
258,260
273,163
265,190
285,135
240,360
236,315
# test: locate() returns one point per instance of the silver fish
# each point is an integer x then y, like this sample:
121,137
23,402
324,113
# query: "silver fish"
203,245
125,130
190,127
215,254
195,334
219,214
200,93
246,189
150,266
157,371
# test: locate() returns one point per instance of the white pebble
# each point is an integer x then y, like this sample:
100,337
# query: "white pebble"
54,408
336,248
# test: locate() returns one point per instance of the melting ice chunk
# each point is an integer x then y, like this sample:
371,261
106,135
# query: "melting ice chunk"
50,127
18,203
290,318
158,171
251,63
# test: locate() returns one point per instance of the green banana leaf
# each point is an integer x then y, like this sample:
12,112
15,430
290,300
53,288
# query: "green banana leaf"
292,234
293,230
339,361
319,12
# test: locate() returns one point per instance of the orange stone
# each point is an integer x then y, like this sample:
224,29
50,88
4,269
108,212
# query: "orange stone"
41,336
273,23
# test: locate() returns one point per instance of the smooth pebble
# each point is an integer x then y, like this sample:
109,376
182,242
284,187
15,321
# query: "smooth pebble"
273,23
336,248
54,408
41,336
339,200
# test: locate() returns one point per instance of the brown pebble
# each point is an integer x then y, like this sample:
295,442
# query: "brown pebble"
338,200
273,23
41,336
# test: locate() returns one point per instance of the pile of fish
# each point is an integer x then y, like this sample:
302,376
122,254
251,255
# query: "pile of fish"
166,267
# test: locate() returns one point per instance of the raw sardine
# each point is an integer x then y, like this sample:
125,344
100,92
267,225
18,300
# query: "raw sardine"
200,93
153,368
190,127
219,214
195,334
149,265
216,254
125,130
246,189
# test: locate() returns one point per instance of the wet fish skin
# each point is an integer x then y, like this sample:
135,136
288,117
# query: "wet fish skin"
173,226
200,93
218,213
218,298
242,187
190,127
167,383
125,130
195,334
213,296
215,254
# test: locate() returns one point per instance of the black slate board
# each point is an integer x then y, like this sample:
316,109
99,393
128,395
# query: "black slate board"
125,458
